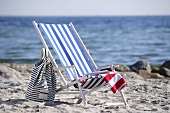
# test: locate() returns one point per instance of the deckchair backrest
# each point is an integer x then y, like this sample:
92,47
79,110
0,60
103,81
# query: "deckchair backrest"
67,47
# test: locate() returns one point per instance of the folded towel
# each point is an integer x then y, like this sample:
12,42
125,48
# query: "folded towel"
115,81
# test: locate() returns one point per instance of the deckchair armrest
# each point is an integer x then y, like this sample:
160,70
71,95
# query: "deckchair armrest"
108,67
97,72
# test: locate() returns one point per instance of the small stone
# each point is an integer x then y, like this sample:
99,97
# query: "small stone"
26,106
154,109
146,109
156,102
105,91
37,110
165,108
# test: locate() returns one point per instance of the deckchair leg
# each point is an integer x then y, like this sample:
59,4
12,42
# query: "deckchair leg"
123,96
80,87
82,94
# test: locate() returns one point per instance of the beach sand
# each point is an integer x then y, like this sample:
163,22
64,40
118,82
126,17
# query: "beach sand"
143,95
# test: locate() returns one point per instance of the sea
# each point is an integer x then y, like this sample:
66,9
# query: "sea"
109,39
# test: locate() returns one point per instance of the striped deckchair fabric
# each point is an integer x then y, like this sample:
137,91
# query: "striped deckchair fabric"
76,60
70,52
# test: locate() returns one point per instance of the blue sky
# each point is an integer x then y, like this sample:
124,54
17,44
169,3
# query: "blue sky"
83,7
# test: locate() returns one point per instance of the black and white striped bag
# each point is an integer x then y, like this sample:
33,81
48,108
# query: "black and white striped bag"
42,85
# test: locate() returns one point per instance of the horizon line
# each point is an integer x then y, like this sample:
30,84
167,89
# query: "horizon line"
80,15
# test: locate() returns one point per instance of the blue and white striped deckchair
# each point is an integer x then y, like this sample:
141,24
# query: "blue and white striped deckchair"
73,55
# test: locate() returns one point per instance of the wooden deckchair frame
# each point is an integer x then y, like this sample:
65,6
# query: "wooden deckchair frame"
78,80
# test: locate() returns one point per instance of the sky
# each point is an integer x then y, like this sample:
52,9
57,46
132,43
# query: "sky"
83,7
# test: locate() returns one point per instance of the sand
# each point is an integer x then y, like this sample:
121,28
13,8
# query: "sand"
143,95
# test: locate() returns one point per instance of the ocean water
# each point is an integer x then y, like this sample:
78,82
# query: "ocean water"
110,40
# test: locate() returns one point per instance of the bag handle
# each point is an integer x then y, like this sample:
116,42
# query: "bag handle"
44,53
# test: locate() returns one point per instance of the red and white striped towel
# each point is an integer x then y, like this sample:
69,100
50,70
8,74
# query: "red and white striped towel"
115,81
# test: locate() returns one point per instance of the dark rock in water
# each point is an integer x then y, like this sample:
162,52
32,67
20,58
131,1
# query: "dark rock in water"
140,65
146,74
131,75
165,72
166,64
155,70
122,68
